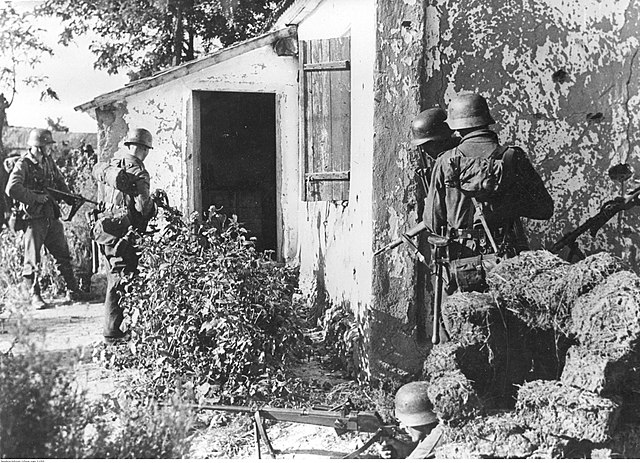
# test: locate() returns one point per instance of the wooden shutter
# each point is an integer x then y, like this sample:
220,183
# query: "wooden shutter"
326,101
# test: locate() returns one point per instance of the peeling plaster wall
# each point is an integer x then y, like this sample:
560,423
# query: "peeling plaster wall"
163,111
561,78
335,238
396,349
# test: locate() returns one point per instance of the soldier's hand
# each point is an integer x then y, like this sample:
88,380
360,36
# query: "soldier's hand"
41,198
386,450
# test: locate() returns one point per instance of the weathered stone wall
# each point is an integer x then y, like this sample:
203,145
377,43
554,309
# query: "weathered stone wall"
395,346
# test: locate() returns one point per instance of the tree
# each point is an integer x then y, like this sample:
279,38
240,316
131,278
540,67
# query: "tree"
145,36
20,45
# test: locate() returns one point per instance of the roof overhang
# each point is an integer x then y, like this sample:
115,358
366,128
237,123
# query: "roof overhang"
188,68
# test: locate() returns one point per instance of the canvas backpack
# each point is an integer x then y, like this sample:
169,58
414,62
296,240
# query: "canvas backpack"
482,178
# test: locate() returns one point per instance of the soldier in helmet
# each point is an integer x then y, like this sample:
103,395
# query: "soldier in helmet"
431,136
31,175
485,209
135,207
414,411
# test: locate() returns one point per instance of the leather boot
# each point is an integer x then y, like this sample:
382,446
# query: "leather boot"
37,302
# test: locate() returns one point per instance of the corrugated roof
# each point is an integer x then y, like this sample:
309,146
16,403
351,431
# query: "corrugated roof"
188,68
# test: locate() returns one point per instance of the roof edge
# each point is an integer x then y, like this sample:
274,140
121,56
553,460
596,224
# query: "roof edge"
188,68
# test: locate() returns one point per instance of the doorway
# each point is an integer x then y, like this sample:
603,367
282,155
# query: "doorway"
238,160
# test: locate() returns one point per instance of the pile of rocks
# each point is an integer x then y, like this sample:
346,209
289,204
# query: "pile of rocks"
554,344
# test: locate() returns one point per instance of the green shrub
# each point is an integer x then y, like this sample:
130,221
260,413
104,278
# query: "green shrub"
39,406
341,336
207,308
44,415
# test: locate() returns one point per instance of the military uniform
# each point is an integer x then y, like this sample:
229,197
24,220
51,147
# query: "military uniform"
448,206
122,257
26,184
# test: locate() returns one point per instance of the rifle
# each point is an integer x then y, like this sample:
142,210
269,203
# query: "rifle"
76,201
432,238
342,419
608,210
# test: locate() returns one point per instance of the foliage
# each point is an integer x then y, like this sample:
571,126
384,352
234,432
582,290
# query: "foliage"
44,415
341,336
39,406
211,311
147,36
20,44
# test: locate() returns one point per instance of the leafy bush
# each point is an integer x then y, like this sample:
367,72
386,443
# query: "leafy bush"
44,415
39,407
207,308
341,335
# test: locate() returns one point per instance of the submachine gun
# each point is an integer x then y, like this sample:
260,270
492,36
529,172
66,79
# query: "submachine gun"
75,201
607,211
340,418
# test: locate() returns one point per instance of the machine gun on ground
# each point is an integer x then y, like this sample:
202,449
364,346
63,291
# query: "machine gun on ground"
342,419
75,201
608,210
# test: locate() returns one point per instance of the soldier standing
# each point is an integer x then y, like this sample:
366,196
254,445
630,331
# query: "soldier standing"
31,175
133,207
467,198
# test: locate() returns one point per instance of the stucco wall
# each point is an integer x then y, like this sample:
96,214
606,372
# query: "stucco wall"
396,347
561,79
335,238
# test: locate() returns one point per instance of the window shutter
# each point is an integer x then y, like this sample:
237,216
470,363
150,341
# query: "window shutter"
326,99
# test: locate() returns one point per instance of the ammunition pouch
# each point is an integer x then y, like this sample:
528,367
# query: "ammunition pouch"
107,231
470,272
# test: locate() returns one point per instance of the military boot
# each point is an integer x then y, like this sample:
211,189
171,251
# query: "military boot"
37,302
73,293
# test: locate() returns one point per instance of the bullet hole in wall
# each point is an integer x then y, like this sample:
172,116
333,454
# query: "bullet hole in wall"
560,76
595,117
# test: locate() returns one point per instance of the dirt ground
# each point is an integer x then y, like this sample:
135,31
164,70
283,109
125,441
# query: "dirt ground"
76,329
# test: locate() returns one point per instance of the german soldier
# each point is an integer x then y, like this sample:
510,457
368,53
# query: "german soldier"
32,174
455,209
414,411
133,206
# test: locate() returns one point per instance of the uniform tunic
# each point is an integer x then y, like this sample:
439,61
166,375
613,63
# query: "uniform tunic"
27,180
140,208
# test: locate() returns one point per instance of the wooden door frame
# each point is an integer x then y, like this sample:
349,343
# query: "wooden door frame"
194,156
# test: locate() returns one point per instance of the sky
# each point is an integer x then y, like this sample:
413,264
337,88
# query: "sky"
70,74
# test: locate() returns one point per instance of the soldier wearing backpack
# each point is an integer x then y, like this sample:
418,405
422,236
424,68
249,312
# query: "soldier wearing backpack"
38,214
128,208
479,191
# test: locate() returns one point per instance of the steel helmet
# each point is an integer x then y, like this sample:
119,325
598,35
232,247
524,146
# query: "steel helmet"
139,136
413,407
40,137
468,110
430,125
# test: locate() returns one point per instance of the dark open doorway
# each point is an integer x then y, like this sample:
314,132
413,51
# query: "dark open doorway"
238,160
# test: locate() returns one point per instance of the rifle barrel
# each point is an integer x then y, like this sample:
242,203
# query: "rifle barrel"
366,421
